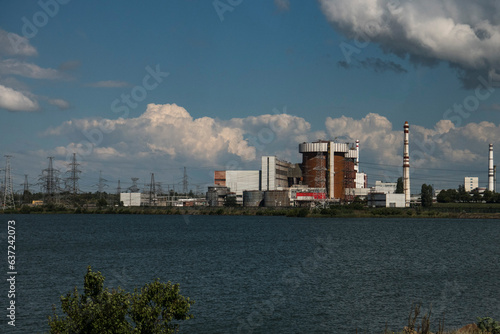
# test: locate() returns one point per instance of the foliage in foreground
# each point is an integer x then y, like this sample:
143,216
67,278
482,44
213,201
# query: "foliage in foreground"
153,309
415,326
488,325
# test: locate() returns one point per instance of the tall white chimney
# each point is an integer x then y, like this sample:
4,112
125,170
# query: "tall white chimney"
356,166
491,179
406,165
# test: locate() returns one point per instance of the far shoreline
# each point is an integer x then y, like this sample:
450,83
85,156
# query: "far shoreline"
458,211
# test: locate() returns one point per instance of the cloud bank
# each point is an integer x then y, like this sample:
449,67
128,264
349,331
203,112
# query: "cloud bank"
167,135
466,34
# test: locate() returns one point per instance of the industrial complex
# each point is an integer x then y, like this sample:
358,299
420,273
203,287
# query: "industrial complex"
329,172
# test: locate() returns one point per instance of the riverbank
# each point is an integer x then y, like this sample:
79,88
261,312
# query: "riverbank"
458,211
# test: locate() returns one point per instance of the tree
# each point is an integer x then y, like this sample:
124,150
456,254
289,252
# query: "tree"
463,196
151,309
476,197
102,202
426,195
447,196
400,186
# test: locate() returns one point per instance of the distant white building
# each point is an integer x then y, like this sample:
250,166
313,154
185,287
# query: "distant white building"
238,180
471,183
387,200
361,180
385,187
130,199
275,173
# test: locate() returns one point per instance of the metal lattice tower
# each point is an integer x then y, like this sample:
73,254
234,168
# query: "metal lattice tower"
118,189
134,188
72,180
159,189
152,191
101,185
26,188
8,195
185,182
49,182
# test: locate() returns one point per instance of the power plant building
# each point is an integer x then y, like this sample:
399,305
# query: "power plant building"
238,180
276,173
471,183
330,166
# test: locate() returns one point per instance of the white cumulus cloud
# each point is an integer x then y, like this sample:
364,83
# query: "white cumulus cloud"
464,33
167,135
13,100
28,70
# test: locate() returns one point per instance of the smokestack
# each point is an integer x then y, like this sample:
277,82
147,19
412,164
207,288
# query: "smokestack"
406,165
356,167
491,179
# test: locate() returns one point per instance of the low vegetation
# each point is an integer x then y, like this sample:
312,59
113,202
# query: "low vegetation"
418,323
156,308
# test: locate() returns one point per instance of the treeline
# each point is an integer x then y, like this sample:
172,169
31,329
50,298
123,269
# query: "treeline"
462,196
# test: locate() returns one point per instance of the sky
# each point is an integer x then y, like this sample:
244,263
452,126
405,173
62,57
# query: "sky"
134,88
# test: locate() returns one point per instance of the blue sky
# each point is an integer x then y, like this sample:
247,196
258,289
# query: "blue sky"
234,73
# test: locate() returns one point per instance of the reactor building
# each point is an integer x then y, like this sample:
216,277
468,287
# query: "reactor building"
330,166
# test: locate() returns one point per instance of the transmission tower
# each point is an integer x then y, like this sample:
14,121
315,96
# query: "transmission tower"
152,191
74,176
101,185
49,181
26,189
159,189
8,195
134,188
118,189
185,182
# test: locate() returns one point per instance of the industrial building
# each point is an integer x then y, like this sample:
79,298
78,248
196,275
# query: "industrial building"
238,180
330,166
131,199
385,187
471,183
279,174
387,200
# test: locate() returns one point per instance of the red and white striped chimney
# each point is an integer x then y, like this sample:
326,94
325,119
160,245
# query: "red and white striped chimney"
406,165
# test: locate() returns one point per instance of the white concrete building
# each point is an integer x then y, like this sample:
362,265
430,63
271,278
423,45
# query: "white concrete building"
385,187
239,180
275,173
387,200
471,183
130,199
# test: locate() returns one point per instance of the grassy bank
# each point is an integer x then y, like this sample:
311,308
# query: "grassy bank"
460,210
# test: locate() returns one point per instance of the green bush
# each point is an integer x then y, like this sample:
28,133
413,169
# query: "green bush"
155,308
488,325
